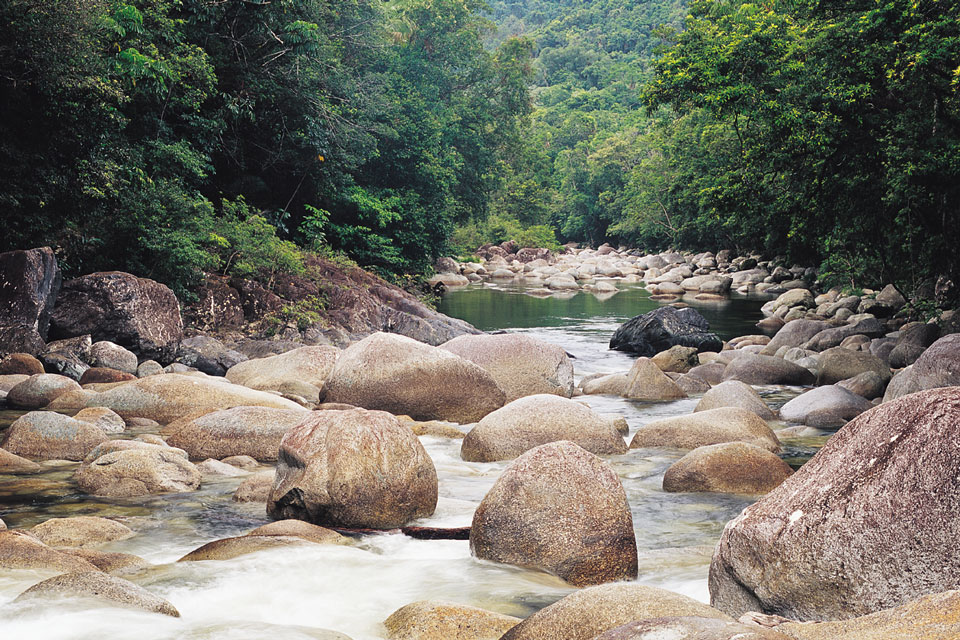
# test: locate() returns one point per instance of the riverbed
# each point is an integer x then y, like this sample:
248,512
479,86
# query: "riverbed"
352,589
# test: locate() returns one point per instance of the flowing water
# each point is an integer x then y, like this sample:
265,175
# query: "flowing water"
291,592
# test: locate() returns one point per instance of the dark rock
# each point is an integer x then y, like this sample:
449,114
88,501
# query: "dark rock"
939,366
561,509
829,338
868,384
912,342
869,523
136,313
208,355
78,347
660,329
29,282
529,255
218,305
20,364
64,364
256,300
756,369
794,334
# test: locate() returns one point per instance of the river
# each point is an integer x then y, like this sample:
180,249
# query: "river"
352,589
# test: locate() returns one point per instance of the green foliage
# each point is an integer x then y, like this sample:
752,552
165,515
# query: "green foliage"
303,313
247,245
499,228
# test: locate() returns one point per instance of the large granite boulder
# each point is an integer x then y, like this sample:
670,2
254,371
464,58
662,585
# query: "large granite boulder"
869,523
734,393
939,366
109,590
80,531
829,338
112,356
136,313
39,390
208,355
405,377
521,365
354,468
728,467
20,550
725,424
913,341
535,420
838,364
753,368
558,508
47,435
794,334
647,383
660,329
240,431
826,407
138,472
29,282
587,613
167,397
302,372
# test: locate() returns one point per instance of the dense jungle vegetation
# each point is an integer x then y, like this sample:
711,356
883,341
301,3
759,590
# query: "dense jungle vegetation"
165,137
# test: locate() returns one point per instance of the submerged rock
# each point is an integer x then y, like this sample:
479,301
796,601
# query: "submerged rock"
100,586
535,420
558,508
354,468
19,550
868,523
138,472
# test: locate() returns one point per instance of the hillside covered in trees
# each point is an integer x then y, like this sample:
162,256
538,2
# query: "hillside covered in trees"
167,138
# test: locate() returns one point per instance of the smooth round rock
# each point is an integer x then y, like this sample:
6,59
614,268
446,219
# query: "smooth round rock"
102,418
80,531
20,364
838,364
734,393
431,620
355,469
535,420
39,390
19,550
249,431
47,435
300,529
287,372
558,508
100,586
825,407
753,368
137,472
729,467
725,424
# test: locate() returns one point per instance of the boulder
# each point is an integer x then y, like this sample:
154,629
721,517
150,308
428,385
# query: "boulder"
167,397
753,368
300,529
112,356
612,384
103,418
829,338
558,508
587,613
838,364
211,467
692,384
40,390
431,620
97,585
138,472
80,531
303,371
662,328
97,375
113,563
241,462
149,368
111,446
867,524
827,407
535,420
19,550
794,334
913,340
734,393
868,384
939,366
728,467
726,424
520,364
11,463
400,375
689,628
354,468
208,355
20,364
29,282
794,298
230,548
256,488
647,383
250,431
677,359
47,435
931,617
711,373
136,313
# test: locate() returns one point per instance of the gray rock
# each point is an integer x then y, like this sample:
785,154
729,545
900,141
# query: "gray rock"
868,384
829,338
726,424
99,586
208,355
939,366
29,282
902,384
47,435
734,393
912,342
112,356
757,369
64,364
825,407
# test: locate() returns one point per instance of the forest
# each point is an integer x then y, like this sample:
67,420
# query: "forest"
169,137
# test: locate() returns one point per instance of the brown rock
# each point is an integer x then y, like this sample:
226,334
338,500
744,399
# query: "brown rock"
229,548
256,488
353,469
558,508
584,614
400,375
726,424
288,372
39,390
734,393
102,374
838,364
137,472
20,550
20,364
756,369
242,462
677,359
520,364
103,587
11,463
431,620
689,628
47,435
250,431
110,446
867,524
646,382
535,420
80,531
300,529
136,313
114,563
729,467
102,418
